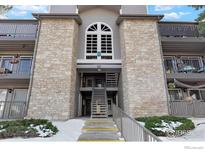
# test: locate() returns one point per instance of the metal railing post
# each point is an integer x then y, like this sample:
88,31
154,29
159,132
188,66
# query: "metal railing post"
145,136
121,121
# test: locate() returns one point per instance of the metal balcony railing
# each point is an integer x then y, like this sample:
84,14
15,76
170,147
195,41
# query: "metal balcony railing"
184,65
130,129
179,29
22,68
18,30
12,109
192,108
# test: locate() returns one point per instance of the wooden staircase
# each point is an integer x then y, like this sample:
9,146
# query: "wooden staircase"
99,106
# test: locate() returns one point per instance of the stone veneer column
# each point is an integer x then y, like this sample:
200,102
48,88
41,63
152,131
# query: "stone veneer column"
143,80
54,78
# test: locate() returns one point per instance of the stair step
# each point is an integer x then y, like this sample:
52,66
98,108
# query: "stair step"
99,107
104,108
99,116
99,111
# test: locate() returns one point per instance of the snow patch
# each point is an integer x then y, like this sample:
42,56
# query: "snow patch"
167,126
42,131
68,131
2,128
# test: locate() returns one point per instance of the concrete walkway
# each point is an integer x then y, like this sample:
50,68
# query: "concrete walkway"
102,130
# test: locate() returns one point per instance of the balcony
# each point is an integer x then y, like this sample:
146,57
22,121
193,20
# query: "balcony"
186,68
20,70
179,29
18,30
181,37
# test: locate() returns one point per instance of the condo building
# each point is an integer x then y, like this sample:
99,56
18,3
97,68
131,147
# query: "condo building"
78,60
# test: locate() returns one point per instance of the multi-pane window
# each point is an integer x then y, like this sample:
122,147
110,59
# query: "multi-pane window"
106,43
91,43
99,44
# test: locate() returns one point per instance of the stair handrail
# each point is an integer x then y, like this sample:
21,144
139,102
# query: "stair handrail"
92,101
106,103
134,131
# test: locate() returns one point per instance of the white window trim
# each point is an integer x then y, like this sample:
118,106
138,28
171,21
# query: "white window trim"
99,32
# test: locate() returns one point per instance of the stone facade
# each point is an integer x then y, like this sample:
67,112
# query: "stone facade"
143,80
54,78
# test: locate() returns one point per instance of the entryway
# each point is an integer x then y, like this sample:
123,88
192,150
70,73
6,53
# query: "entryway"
101,105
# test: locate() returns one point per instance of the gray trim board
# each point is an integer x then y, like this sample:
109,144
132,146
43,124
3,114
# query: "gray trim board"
76,17
179,22
18,21
138,17
183,39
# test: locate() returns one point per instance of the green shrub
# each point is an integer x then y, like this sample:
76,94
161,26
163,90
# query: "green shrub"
156,121
26,128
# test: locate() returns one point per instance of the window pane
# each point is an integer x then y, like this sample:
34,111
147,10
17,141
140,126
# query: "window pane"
175,95
202,94
105,28
106,44
91,57
106,57
195,94
6,63
20,95
91,44
168,64
25,66
3,93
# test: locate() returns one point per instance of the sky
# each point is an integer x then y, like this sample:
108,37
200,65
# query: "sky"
170,12
175,12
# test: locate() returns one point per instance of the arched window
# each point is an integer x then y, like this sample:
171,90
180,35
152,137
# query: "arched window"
99,42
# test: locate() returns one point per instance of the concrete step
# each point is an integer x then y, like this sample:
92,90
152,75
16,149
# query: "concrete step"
99,137
99,123
100,130
99,116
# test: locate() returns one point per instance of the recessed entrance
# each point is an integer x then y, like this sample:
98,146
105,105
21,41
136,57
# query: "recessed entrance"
98,91
86,108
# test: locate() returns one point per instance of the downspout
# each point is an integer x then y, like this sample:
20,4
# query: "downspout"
33,65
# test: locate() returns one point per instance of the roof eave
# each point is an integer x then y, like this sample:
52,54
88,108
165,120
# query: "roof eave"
40,16
138,17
